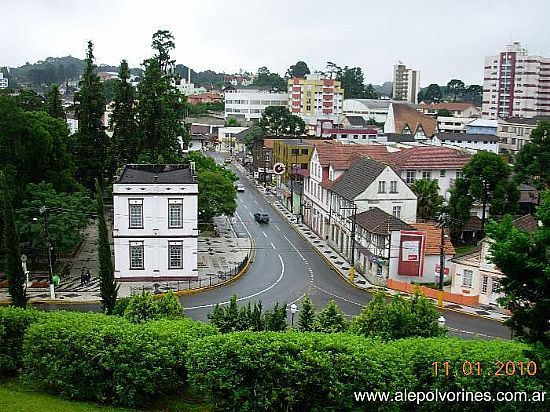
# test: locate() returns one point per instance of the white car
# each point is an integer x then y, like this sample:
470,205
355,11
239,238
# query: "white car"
239,188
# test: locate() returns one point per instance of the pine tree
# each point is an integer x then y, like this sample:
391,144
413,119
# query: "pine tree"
107,285
306,316
330,320
90,143
124,146
12,264
54,105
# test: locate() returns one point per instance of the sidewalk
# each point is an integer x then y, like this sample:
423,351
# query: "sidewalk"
341,266
217,261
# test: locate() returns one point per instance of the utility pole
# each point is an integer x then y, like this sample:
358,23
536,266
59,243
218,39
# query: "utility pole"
442,221
353,225
485,188
44,211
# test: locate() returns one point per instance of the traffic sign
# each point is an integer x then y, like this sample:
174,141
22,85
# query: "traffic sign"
279,168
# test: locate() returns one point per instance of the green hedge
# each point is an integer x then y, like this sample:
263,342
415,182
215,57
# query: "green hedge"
109,359
13,325
293,371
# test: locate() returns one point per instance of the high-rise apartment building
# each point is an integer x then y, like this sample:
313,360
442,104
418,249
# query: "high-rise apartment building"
3,82
406,83
516,84
314,98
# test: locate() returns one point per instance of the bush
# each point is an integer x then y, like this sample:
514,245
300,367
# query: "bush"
120,306
144,307
13,325
108,359
311,371
169,306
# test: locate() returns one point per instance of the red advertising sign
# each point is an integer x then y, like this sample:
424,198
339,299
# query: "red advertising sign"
438,270
412,247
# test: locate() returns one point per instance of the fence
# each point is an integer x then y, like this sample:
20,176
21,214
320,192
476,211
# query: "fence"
190,284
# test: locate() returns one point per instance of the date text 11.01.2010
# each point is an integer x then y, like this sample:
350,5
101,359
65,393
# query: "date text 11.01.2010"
499,368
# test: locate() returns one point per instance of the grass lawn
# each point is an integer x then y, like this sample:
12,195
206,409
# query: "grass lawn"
14,396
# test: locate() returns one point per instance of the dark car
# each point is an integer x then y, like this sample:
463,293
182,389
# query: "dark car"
261,217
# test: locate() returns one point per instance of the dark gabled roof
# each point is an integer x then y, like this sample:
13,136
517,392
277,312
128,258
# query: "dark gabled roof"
398,137
474,137
527,223
163,174
357,178
377,221
358,121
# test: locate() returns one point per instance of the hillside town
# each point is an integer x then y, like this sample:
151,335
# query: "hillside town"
388,212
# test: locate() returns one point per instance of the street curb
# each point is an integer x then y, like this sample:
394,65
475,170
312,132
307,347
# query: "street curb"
374,288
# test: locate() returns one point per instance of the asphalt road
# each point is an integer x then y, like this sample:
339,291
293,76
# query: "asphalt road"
285,269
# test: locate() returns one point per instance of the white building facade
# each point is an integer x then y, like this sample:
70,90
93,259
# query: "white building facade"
516,84
249,104
155,228
486,142
406,83
3,81
375,109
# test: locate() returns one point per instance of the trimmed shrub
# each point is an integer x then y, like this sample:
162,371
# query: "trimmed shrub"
146,306
109,359
13,325
294,371
120,306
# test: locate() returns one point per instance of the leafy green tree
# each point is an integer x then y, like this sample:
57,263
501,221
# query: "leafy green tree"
424,318
299,69
226,319
373,320
275,319
486,180
124,146
141,308
523,259
459,205
353,83
12,255
54,105
232,122
371,93
444,113
109,87
306,317
90,142
169,306
68,215
333,71
474,94
30,101
428,199
108,288
433,93
265,78
532,163
255,132
161,106
456,88
277,120
330,319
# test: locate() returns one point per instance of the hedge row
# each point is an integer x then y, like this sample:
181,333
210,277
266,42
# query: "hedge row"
294,371
14,323
107,358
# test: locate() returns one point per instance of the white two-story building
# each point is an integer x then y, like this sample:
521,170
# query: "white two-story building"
155,228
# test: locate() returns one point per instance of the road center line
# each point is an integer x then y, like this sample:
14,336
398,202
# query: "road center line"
272,245
338,297
245,206
277,227
242,223
210,305
265,234
297,251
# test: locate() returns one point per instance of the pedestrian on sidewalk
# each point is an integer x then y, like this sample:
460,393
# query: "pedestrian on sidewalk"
88,277
82,277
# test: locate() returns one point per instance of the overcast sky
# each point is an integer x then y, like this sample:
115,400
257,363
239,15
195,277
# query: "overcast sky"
443,39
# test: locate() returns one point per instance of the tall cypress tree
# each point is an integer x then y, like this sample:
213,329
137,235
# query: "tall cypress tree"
161,105
124,147
107,286
12,264
306,318
90,143
54,106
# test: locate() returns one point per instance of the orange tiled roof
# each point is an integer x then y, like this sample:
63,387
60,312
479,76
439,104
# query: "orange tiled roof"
446,106
433,240
405,115
339,155
429,157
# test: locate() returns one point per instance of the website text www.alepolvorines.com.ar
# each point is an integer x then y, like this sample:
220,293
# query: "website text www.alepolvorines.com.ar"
449,396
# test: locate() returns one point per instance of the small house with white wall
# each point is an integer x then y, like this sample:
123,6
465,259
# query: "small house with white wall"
155,227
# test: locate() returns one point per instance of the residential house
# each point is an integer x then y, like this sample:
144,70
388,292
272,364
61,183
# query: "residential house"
227,141
366,184
460,114
482,126
486,142
203,131
315,97
515,132
432,254
443,164
249,103
405,119
475,275
368,109
329,160
353,130
208,97
155,226
262,160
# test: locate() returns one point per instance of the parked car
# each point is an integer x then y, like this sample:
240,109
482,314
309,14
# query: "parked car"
261,217
227,161
239,187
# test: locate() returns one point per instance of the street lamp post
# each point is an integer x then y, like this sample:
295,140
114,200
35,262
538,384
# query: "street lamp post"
44,211
293,310
441,321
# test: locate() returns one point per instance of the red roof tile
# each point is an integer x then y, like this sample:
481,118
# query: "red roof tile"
433,240
429,157
339,155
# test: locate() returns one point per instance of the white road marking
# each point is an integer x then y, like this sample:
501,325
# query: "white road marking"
245,206
210,305
255,201
250,213
297,251
265,234
272,245
245,228
338,297
277,227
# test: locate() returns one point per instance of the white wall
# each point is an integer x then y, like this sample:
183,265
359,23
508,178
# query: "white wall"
250,103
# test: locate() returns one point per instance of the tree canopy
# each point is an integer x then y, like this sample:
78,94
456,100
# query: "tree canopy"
299,69
277,121
532,163
265,78
456,88
523,259
428,199
54,104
